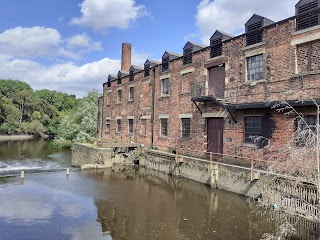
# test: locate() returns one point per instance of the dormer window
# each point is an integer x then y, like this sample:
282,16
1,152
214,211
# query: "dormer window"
187,55
254,33
215,47
147,69
307,14
131,75
254,29
119,78
165,63
109,83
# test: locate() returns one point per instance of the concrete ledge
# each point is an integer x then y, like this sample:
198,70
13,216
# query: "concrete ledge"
188,70
165,76
305,38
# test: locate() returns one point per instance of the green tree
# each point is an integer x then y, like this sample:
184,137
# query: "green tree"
80,125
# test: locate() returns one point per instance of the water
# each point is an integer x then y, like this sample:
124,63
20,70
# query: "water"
31,156
114,203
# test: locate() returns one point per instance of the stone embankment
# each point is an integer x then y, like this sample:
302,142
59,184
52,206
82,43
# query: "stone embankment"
217,175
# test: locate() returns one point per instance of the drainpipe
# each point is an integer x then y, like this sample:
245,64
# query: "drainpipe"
152,106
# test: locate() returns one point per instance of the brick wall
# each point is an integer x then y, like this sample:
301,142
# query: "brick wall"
285,77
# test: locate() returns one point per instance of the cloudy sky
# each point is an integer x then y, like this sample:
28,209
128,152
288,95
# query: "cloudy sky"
72,45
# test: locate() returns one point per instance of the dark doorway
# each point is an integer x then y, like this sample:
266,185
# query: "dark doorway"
215,135
217,81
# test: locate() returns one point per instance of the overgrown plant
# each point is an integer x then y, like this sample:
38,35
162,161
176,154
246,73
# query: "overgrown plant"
294,190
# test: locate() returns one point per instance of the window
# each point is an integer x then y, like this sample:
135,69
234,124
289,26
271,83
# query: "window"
164,127
107,125
215,47
165,63
306,129
109,83
119,96
131,94
146,70
131,76
252,128
165,86
187,55
185,127
118,125
130,126
307,15
119,79
255,67
254,33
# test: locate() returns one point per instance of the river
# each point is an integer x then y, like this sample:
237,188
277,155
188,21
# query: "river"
114,203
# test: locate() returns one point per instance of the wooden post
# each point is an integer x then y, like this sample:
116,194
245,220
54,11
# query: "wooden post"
252,169
68,171
211,158
22,175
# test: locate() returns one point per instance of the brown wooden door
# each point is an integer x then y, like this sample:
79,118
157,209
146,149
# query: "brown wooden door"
217,81
215,135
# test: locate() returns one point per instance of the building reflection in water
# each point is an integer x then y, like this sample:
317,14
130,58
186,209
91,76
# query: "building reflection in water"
153,205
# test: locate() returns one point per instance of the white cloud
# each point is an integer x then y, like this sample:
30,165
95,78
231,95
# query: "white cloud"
30,42
101,15
45,43
65,77
30,209
83,41
230,16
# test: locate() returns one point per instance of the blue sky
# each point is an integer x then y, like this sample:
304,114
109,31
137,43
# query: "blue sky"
72,45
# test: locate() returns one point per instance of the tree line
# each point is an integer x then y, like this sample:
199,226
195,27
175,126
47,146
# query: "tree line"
23,110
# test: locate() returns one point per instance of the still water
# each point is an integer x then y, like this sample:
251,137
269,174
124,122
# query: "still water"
114,204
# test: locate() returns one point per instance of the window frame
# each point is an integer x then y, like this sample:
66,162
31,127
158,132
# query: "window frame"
301,126
185,127
215,47
130,126
119,82
187,55
119,96
131,94
254,33
146,70
131,76
119,126
252,68
165,87
165,64
255,120
164,127
307,15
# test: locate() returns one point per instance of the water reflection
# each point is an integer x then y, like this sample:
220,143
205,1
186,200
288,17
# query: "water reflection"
36,211
122,204
152,205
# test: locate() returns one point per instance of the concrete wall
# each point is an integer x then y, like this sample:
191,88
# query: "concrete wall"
89,154
218,175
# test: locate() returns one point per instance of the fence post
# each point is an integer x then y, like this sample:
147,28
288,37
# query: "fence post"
252,163
177,147
211,159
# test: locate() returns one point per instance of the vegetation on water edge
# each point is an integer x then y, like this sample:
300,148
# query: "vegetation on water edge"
23,110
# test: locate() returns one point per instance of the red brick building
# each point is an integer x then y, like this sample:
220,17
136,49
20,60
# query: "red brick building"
215,97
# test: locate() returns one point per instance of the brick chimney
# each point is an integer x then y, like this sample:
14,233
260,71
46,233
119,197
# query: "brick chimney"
126,57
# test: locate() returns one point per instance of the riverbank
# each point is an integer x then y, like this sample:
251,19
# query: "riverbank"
16,137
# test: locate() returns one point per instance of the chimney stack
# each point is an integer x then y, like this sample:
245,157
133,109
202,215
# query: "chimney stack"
126,57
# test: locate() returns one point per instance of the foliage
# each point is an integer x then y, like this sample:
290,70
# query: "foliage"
23,110
80,125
